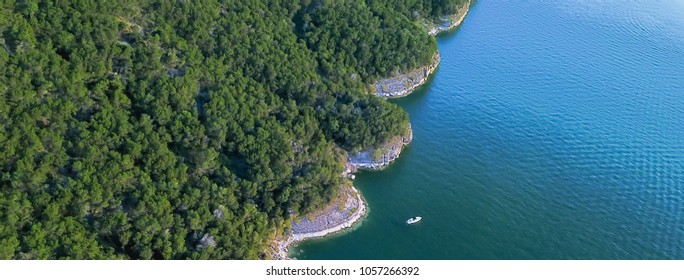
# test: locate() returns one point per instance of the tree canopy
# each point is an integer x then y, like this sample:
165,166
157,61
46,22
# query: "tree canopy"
187,129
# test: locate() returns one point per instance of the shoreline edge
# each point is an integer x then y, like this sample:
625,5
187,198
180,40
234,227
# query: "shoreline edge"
410,81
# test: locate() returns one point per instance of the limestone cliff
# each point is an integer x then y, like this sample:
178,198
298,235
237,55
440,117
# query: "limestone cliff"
407,82
450,22
378,158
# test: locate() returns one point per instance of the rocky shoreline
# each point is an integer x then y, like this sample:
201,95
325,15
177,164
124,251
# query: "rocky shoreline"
344,213
349,208
405,83
380,157
450,22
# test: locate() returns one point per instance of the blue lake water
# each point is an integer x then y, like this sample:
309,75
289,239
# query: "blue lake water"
551,130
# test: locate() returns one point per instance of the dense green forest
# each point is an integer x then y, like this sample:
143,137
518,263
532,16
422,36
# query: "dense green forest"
187,129
426,9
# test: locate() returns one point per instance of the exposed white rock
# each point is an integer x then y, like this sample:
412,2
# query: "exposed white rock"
450,22
218,213
329,220
405,83
207,241
389,152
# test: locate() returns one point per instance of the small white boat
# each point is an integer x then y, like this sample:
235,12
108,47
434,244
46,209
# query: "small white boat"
414,220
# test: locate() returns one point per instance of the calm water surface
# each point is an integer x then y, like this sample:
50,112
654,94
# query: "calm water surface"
552,130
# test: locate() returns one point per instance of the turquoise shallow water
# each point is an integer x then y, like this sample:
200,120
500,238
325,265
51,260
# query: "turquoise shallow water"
552,130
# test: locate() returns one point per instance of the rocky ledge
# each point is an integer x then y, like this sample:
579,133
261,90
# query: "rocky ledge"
380,157
405,83
450,22
345,211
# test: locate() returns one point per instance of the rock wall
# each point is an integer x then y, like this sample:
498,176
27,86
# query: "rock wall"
450,22
327,221
390,152
405,83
